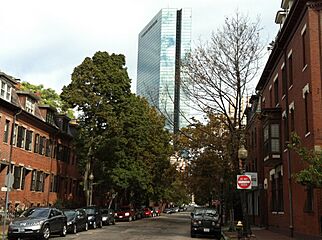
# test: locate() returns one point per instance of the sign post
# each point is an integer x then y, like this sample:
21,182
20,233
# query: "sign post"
244,182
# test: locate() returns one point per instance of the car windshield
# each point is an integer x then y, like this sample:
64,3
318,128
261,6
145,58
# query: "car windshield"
202,211
36,213
90,210
70,214
105,211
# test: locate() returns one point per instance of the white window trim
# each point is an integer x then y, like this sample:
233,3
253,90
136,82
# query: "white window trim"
291,107
283,65
305,90
289,53
303,29
276,77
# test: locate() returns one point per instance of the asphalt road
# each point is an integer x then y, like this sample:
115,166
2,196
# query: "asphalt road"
173,227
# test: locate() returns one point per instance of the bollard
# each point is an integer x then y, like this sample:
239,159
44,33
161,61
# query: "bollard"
239,228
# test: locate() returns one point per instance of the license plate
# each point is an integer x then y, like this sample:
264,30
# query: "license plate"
206,230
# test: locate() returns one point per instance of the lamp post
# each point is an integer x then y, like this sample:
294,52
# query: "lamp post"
242,155
90,178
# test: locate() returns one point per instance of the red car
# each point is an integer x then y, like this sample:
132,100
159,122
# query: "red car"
147,212
125,214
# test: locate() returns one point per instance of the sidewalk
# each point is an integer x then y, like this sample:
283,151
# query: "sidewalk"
261,234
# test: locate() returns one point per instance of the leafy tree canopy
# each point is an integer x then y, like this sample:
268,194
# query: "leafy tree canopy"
312,174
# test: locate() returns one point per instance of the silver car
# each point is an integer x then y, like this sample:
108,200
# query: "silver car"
40,222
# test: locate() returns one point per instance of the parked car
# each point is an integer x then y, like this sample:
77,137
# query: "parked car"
39,222
168,210
205,221
147,212
108,216
76,220
94,216
125,214
156,211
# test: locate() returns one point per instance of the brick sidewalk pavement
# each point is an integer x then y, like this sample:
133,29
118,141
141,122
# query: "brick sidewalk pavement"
261,234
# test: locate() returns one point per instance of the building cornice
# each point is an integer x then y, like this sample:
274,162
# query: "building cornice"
316,5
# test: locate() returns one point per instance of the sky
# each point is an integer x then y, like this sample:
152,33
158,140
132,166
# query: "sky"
42,41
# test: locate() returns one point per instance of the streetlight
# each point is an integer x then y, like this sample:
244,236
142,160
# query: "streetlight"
242,155
90,178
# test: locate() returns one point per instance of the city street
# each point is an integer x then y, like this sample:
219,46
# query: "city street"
174,226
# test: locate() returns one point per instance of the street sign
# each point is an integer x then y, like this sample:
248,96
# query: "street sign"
244,182
9,179
254,178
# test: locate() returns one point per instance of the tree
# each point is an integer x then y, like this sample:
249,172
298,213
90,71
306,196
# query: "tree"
121,139
312,174
220,71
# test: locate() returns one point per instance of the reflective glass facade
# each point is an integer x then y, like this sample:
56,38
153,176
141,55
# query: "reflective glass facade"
163,43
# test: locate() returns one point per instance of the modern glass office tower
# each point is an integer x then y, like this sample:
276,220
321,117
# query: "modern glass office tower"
163,44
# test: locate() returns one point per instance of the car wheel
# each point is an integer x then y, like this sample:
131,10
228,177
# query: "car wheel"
63,232
75,228
86,226
46,232
100,224
130,219
94,225
192,234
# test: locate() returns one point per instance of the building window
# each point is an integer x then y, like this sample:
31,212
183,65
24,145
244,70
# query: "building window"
271,139
36,147
21,137
30,105
19,177
54,183
304,50
50,117
42,141
14,137
276,94
277,189
48,148
37,181
5,92
6,131
309,198
33,180
306,94
28,140
284,81
290,70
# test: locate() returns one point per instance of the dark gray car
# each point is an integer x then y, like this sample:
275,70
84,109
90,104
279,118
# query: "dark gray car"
108,216
40,222
205,221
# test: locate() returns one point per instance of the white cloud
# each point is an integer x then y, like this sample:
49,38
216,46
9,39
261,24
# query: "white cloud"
42,41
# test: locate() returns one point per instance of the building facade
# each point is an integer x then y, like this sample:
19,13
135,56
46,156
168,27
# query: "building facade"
163,44
36,151
289,101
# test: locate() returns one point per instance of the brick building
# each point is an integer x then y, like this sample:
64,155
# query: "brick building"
289,100
41,156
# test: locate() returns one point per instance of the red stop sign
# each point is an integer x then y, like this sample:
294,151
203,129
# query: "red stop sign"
244,182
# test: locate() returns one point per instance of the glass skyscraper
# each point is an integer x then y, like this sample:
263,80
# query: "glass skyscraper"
163,44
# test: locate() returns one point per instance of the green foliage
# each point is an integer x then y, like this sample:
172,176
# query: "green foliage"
119,133
48,96
312,174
